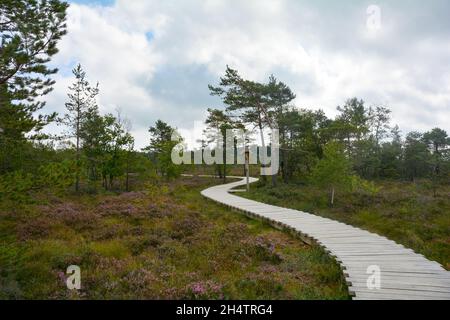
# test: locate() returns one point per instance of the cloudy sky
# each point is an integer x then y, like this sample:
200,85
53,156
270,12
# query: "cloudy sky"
154,59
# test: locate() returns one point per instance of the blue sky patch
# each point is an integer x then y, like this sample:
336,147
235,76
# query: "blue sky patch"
94,2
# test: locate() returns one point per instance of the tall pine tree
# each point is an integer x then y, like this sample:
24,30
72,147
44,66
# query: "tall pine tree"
82,100
29,33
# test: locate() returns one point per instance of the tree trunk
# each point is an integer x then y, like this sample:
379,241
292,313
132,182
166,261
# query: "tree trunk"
332,196
77,178
127,181
286,173
224,161
263,177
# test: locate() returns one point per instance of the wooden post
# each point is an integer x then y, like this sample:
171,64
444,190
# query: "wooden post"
247,167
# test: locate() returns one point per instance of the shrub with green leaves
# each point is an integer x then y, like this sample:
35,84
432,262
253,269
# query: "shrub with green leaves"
16,186
57,176
365,186
333,171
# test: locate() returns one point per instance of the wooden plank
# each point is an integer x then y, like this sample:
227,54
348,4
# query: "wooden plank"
411,293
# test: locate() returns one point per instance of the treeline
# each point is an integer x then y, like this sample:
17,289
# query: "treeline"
359,143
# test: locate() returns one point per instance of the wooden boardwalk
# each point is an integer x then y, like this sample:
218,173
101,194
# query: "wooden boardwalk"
403,273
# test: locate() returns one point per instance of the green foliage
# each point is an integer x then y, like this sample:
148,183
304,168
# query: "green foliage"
56,176
368,187
353,120
218,122
302,137
81,107
168,169
391,156
160,149
257,104
16,186
117,143
333,170
416,156
29,31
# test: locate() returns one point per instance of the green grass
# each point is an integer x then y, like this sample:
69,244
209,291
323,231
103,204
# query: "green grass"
402,211
162,242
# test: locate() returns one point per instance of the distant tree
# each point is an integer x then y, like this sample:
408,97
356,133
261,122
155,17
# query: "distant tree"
254,103
416,156
160,133
246,99
130,154
82,99
107,147
439,143
437,139
366,157
391,156
217,124
279,98
333,171
117,143
93,134
354,119
303,136
160,149
379,118
362,130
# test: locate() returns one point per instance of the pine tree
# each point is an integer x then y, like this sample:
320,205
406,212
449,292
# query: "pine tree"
218,123
254,103
416,156
29,33
333,171
160,149
82,99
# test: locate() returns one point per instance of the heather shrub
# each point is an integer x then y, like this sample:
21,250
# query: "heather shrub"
163,209
234,232
109,208
34,228
73,215
187,226
262,249
208,290
140,284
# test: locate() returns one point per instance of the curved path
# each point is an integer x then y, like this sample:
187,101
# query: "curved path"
403,273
